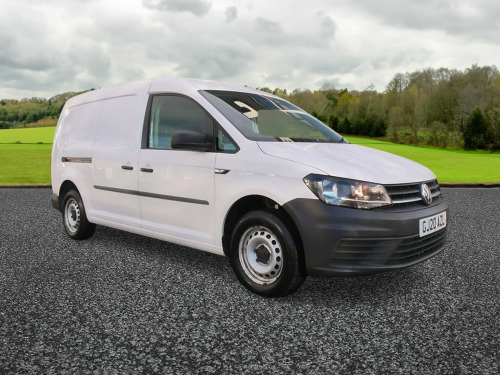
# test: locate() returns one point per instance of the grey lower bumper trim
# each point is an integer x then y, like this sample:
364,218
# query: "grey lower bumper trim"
152,195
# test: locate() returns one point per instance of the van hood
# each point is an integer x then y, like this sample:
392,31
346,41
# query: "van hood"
350,161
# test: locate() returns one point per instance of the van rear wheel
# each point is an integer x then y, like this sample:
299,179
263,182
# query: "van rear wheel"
74,217
264,255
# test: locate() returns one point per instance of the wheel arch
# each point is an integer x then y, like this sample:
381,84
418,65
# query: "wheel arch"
253,203
66,186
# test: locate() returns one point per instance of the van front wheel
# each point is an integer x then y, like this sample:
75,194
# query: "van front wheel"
264,255
74,217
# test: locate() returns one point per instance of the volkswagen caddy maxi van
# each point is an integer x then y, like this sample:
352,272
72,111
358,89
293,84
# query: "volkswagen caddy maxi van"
241,173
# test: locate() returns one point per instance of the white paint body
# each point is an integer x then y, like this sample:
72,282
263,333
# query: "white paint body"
106,125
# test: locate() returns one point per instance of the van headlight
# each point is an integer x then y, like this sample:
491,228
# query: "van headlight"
347,193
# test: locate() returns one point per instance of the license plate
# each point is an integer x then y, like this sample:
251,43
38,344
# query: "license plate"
432,224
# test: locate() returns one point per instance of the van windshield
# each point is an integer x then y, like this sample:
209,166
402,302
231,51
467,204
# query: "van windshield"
264,118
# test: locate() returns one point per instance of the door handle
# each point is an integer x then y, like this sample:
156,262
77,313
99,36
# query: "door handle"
128,167
148,170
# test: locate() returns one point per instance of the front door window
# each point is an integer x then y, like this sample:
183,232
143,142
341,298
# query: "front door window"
170,114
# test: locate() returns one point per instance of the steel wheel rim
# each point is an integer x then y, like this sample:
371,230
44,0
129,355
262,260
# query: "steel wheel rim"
72,215
260,255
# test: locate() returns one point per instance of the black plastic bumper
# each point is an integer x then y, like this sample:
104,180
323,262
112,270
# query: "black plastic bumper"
339,240
55,202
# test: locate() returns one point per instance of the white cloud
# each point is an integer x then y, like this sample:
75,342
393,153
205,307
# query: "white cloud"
196,7
52,46
231,13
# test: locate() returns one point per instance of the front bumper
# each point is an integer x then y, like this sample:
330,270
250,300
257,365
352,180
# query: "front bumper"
338,240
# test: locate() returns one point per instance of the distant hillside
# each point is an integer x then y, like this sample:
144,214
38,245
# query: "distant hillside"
33,112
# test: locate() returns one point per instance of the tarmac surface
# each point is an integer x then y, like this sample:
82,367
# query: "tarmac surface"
120,303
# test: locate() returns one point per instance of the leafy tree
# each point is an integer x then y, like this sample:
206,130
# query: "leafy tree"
346,102
279,92
475,131
265,89
379,128
333,122
345,126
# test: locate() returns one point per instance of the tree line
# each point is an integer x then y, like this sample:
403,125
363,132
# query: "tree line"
440,107
19,113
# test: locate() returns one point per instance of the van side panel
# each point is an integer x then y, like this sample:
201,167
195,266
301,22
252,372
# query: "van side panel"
77,134
73,145
115,160
82,119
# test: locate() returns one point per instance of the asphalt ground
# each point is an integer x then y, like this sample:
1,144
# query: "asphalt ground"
120,303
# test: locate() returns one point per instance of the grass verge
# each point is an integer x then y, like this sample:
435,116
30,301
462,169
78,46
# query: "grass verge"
450,166
25,164
28,162
28,135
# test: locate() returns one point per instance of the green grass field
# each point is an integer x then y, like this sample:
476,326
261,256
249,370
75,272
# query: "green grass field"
28,135
28,162
451,166
25,164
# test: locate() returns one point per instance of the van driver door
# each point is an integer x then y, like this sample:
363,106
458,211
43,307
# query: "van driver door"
176,187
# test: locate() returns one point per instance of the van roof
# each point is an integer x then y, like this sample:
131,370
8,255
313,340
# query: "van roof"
187,86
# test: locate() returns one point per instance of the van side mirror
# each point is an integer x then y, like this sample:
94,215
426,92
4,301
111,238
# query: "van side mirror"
190,140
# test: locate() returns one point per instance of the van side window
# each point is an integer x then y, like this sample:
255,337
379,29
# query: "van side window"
224,142
170,113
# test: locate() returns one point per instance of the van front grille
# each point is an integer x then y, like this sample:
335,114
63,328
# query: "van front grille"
408,195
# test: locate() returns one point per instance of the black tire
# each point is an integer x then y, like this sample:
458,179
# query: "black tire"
74,217
265,256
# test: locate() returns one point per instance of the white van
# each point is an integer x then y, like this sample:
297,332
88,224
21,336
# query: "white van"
240,172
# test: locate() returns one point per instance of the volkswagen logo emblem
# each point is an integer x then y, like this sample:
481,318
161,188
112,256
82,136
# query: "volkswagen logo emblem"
425,192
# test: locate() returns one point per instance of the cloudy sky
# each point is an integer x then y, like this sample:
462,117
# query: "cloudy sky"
51,46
